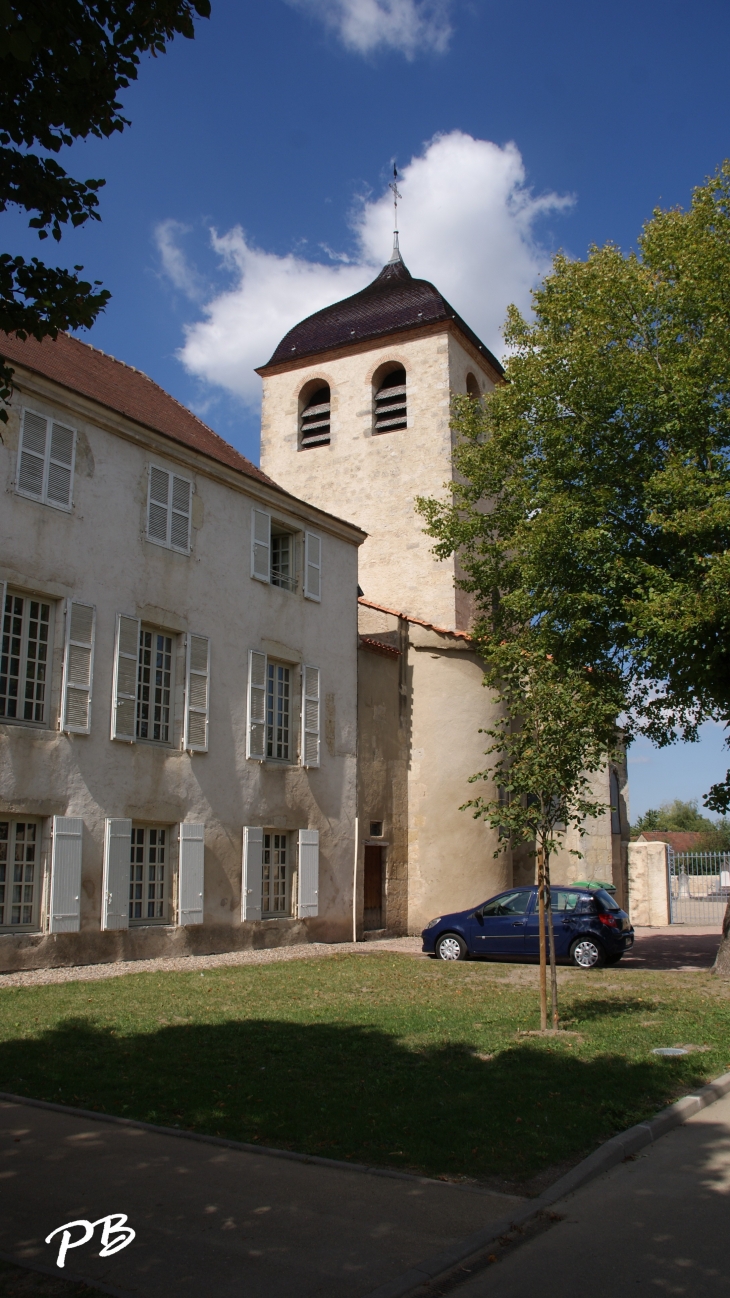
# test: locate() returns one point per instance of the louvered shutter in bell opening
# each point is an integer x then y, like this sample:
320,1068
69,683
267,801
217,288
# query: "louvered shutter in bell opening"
115,886
124,700
191,872
180,515
60,466
256,747
308,873
78,668
197,694
312,566
253,855
32,454
260,544
310,716
65,907
157,505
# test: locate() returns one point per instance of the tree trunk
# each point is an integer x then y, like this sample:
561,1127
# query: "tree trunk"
541,933
553,969
722,959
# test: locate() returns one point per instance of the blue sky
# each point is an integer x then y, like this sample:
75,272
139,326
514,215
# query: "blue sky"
251,187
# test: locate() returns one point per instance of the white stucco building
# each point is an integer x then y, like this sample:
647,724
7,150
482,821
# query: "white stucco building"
177,684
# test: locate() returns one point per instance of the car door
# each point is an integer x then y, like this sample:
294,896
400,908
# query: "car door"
499,925
565,904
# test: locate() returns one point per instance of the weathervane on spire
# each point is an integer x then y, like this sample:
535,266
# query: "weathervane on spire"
393,187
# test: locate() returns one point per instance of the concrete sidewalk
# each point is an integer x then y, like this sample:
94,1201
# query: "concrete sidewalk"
215,1220
655,1224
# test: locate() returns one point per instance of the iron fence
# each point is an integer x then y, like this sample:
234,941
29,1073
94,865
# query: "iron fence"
699,886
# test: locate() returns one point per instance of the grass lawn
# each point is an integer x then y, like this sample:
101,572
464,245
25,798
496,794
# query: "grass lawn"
382,1059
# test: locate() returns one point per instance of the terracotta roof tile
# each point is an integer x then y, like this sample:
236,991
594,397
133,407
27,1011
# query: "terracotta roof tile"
417,621
84,369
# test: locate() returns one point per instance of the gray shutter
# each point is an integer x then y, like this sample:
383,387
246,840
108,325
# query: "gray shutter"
197,694
61,466
312,566
78,668
3,596
31,470
260,544
253,855
308,873
191,872
158,503
65,909
310,716
124,700
115,886
180,514
256,747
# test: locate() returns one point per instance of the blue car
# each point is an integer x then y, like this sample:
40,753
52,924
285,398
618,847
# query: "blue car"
590,929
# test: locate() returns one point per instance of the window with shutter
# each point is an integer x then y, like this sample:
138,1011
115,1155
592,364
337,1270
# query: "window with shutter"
27,625
46,460
65,909
256,705
390,401
148,874
191,873
275,875
168,509
260,544
314,425
312,566
126,656
78,668
308,873
253,839
115,886
310,716
197,694
20,842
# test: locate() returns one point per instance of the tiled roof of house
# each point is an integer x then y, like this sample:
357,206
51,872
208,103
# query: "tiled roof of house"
417,621
680,840
376,646
84,369
395,301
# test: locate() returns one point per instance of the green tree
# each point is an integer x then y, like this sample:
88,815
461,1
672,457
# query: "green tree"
675,816
557,727
62,65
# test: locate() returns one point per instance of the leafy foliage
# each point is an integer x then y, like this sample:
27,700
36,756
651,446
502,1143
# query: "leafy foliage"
678,816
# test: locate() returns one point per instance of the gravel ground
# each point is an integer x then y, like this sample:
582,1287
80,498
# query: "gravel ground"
196,963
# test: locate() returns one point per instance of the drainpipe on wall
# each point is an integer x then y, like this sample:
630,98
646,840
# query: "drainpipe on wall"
354,880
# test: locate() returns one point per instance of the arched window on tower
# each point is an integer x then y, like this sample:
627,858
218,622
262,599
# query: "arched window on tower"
390,401
472,387
314,422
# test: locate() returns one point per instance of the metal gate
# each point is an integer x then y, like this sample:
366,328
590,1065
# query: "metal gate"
699,886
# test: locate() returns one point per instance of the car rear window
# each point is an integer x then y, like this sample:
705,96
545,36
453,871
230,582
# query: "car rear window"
606,900
580,903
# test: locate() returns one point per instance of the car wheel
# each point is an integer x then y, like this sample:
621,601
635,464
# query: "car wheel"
451,947
586,953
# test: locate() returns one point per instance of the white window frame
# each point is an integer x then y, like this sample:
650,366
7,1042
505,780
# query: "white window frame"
42,496
172,478
34,923
288,866
26,596
144,920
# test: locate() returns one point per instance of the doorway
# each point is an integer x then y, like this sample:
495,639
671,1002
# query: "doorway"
373,902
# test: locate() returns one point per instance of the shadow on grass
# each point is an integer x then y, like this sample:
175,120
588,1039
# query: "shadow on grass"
350,1092
595,1008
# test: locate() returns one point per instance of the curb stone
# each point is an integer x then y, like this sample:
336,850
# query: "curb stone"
67,1277
614,1151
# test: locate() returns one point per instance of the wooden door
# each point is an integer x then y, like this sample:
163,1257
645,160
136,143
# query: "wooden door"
373,909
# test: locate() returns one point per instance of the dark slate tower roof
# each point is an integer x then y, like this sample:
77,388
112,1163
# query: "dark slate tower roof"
394,302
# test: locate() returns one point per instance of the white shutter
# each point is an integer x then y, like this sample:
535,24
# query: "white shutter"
197,693
310,716
158,505
308,873
31,471
253,856
117,861
124,699
191,872
180,514
256,705
61,466
260,544
65,910
78,668
312,566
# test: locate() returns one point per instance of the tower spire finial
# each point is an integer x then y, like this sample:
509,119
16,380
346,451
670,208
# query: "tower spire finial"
393,187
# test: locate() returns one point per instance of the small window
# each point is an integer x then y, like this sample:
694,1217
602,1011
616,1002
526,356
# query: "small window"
148,871
46,460
314,423
19,866
283,559
376,829
390,402
154,686
515,903
24,660
278,711
275,877
168,510
472,387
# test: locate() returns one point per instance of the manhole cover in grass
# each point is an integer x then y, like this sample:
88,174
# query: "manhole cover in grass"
670,1050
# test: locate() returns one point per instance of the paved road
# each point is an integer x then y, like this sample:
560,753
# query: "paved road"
219,1221
655,1225
678,946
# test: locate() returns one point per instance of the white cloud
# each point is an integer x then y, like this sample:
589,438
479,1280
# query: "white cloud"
174,263
467,224
363,26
